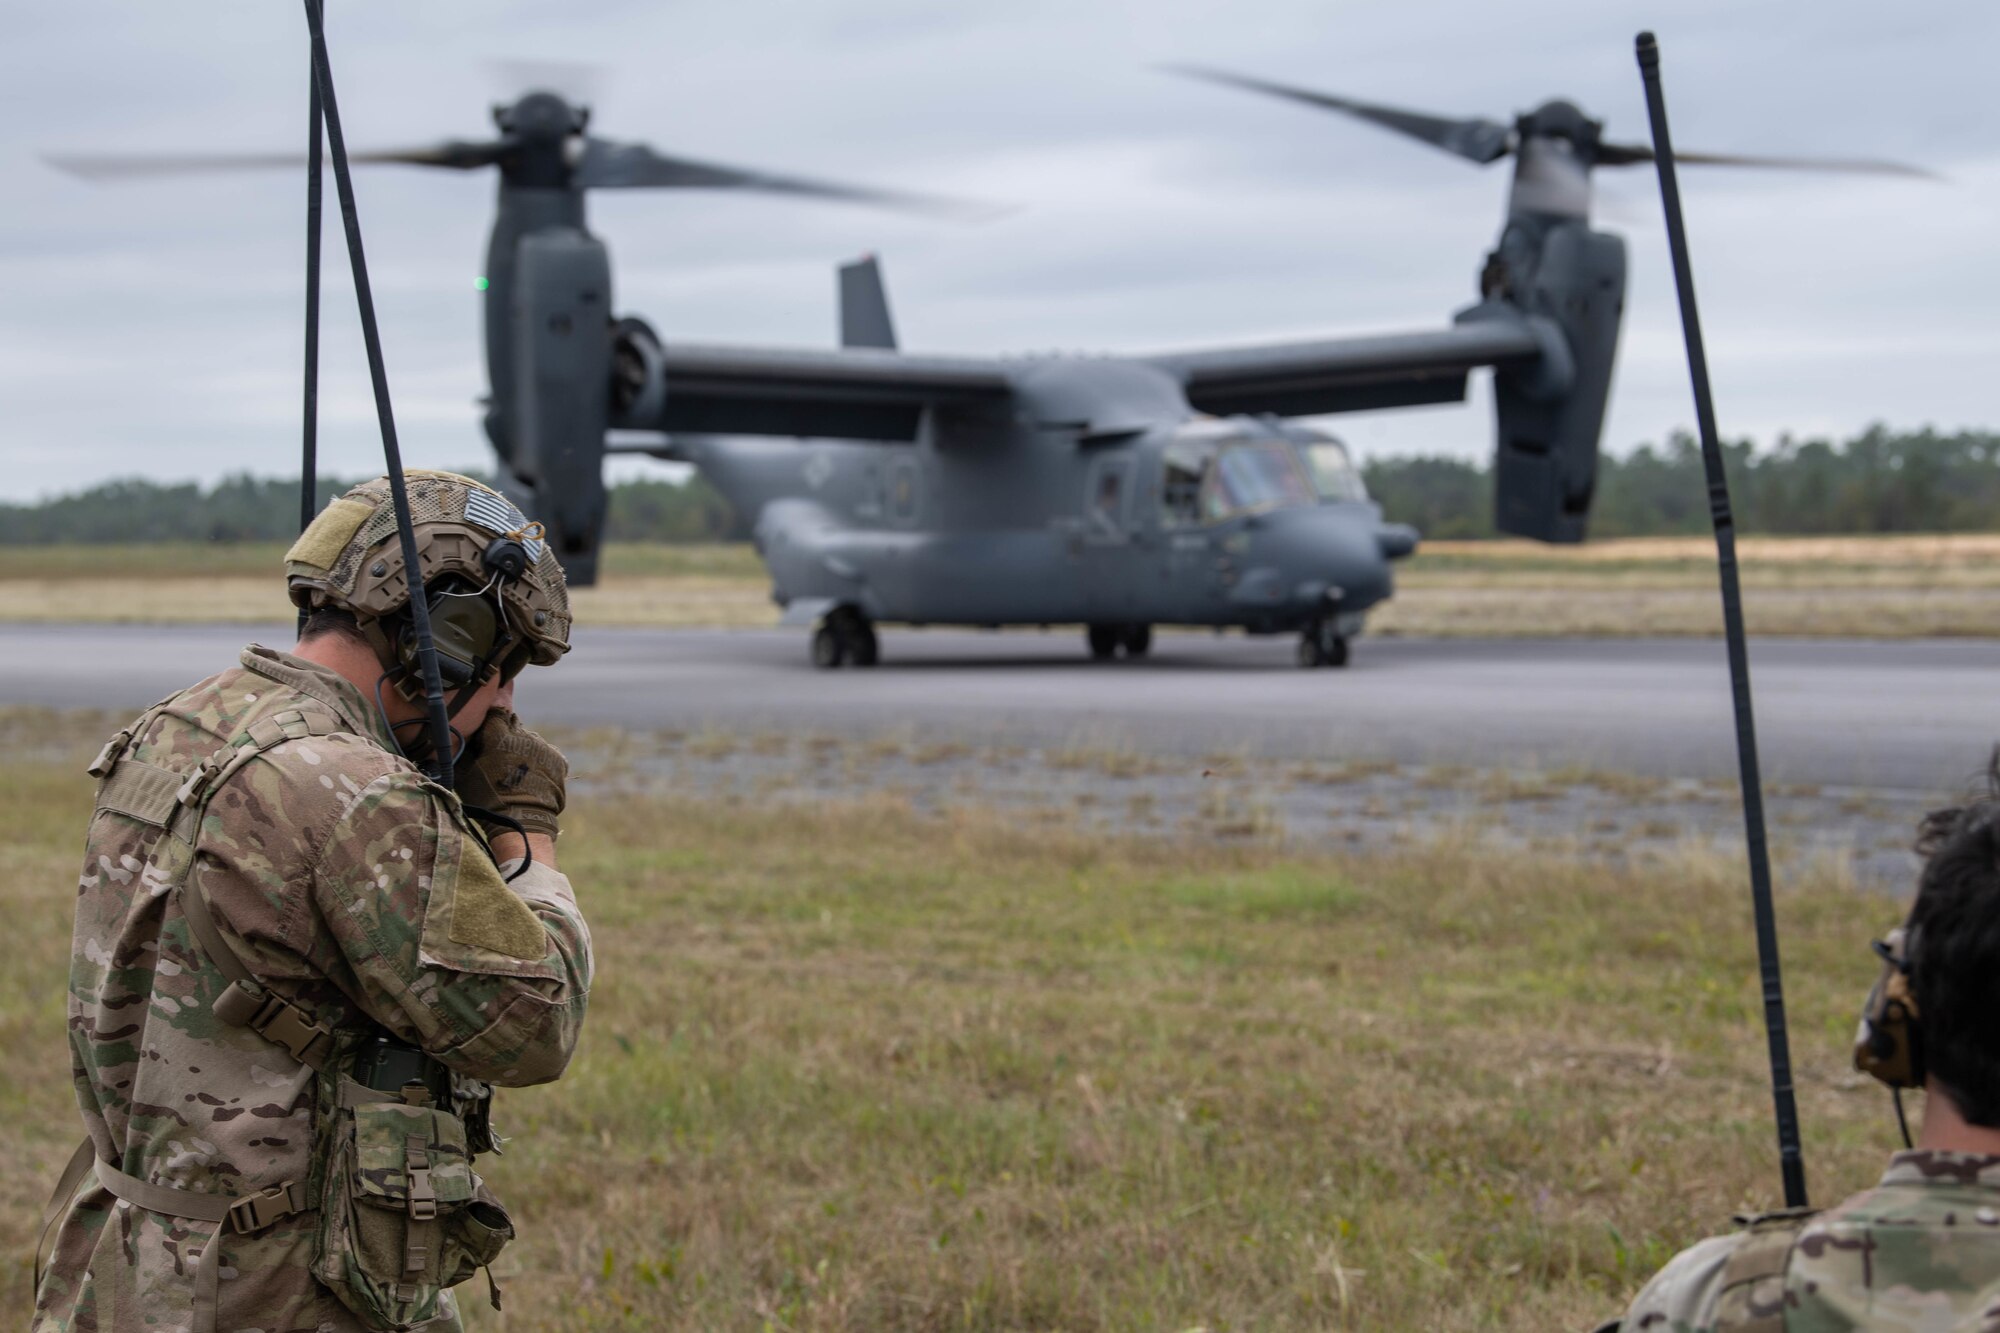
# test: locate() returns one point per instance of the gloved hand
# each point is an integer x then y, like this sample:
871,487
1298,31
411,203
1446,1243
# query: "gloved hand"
511,771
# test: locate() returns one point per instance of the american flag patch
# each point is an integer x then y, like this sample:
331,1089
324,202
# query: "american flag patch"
498,516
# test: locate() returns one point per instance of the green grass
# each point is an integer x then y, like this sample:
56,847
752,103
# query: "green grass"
852,1067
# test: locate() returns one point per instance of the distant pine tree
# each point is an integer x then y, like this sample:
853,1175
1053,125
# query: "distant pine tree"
1879,481
244,508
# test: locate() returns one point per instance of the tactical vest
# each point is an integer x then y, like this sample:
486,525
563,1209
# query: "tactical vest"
1751,1296
375,1152
1750,1291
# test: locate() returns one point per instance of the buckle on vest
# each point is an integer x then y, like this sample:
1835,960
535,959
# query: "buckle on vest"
108,757
417,1161
198,779
283,1022
254,1212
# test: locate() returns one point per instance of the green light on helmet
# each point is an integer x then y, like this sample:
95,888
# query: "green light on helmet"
479,284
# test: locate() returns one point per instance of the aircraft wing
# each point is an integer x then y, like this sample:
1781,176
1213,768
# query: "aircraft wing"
1350,374
853,393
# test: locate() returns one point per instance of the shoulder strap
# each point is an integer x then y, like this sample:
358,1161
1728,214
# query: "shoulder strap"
1751,1298
58,1204
245,1002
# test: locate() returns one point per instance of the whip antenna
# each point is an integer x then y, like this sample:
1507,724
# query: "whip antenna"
309,450
1791,1160
438,765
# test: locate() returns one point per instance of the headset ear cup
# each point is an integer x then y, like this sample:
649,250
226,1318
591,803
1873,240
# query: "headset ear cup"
464,630
1889,1045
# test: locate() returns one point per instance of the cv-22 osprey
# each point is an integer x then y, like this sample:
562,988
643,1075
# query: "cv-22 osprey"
1120,492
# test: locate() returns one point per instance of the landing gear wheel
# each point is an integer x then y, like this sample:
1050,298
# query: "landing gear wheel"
829,648
844,637
1103,640
1137,640
1322,645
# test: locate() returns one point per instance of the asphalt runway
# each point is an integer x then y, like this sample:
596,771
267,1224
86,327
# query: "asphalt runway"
1910,716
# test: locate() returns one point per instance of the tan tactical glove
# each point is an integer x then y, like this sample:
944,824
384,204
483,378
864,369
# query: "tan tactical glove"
514,772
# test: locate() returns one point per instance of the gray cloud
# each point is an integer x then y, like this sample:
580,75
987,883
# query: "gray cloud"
153,328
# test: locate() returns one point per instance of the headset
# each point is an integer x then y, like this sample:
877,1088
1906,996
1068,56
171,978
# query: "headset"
1889,1044
467,626
470,636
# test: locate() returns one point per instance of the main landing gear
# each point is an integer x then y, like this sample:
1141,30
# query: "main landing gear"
845,637
1106,640
1323,645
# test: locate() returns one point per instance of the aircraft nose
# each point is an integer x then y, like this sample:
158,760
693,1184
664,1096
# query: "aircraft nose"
1301,553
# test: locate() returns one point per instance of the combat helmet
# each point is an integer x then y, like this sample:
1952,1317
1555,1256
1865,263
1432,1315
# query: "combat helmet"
495,591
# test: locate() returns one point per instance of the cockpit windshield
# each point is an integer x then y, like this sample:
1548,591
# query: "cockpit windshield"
1333,470
1212,471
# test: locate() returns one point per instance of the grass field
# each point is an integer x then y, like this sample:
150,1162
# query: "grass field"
851,1067
1890,587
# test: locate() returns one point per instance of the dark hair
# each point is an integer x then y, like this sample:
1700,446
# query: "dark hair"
1955,950
332,620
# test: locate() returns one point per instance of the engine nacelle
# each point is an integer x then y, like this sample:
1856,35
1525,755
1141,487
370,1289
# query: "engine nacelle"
562,331
1549,416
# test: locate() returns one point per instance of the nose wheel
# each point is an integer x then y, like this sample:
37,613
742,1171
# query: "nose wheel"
845,638
1107,641
1322,645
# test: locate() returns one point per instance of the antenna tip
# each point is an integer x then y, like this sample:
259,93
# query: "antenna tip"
1648,49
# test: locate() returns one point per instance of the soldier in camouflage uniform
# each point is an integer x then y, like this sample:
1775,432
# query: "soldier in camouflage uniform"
276,905
1921,1250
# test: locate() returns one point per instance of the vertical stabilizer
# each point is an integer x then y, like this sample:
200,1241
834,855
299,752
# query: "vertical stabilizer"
864,306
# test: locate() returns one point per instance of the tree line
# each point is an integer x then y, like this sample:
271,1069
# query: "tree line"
251,509
1878,481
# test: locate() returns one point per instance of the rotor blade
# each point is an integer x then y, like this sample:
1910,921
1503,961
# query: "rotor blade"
1628,154
634,166
1476,139
456,154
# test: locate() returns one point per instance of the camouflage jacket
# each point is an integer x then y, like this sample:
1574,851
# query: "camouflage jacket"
348,884
1920,1251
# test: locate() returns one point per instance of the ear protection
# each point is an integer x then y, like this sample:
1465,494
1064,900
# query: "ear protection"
1889,1044
466,627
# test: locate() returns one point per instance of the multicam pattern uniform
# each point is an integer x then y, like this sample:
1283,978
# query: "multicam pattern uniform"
344,880
1920,1251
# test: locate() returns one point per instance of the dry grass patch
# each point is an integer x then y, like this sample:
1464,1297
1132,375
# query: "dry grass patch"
853,1067
1872,587
1580,609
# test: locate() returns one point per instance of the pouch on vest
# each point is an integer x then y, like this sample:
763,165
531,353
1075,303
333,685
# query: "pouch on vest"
402,1216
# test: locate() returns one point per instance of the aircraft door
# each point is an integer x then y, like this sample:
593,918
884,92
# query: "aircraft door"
1187,559
1107,512
1107,551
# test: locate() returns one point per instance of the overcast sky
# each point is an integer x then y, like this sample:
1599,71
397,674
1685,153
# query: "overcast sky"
154,328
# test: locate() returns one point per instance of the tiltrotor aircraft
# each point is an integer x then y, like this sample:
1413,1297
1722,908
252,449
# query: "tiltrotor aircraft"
1121,492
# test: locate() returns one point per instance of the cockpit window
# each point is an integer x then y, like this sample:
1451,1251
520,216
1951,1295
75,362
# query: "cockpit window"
1207,477
1256,474
1333,472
